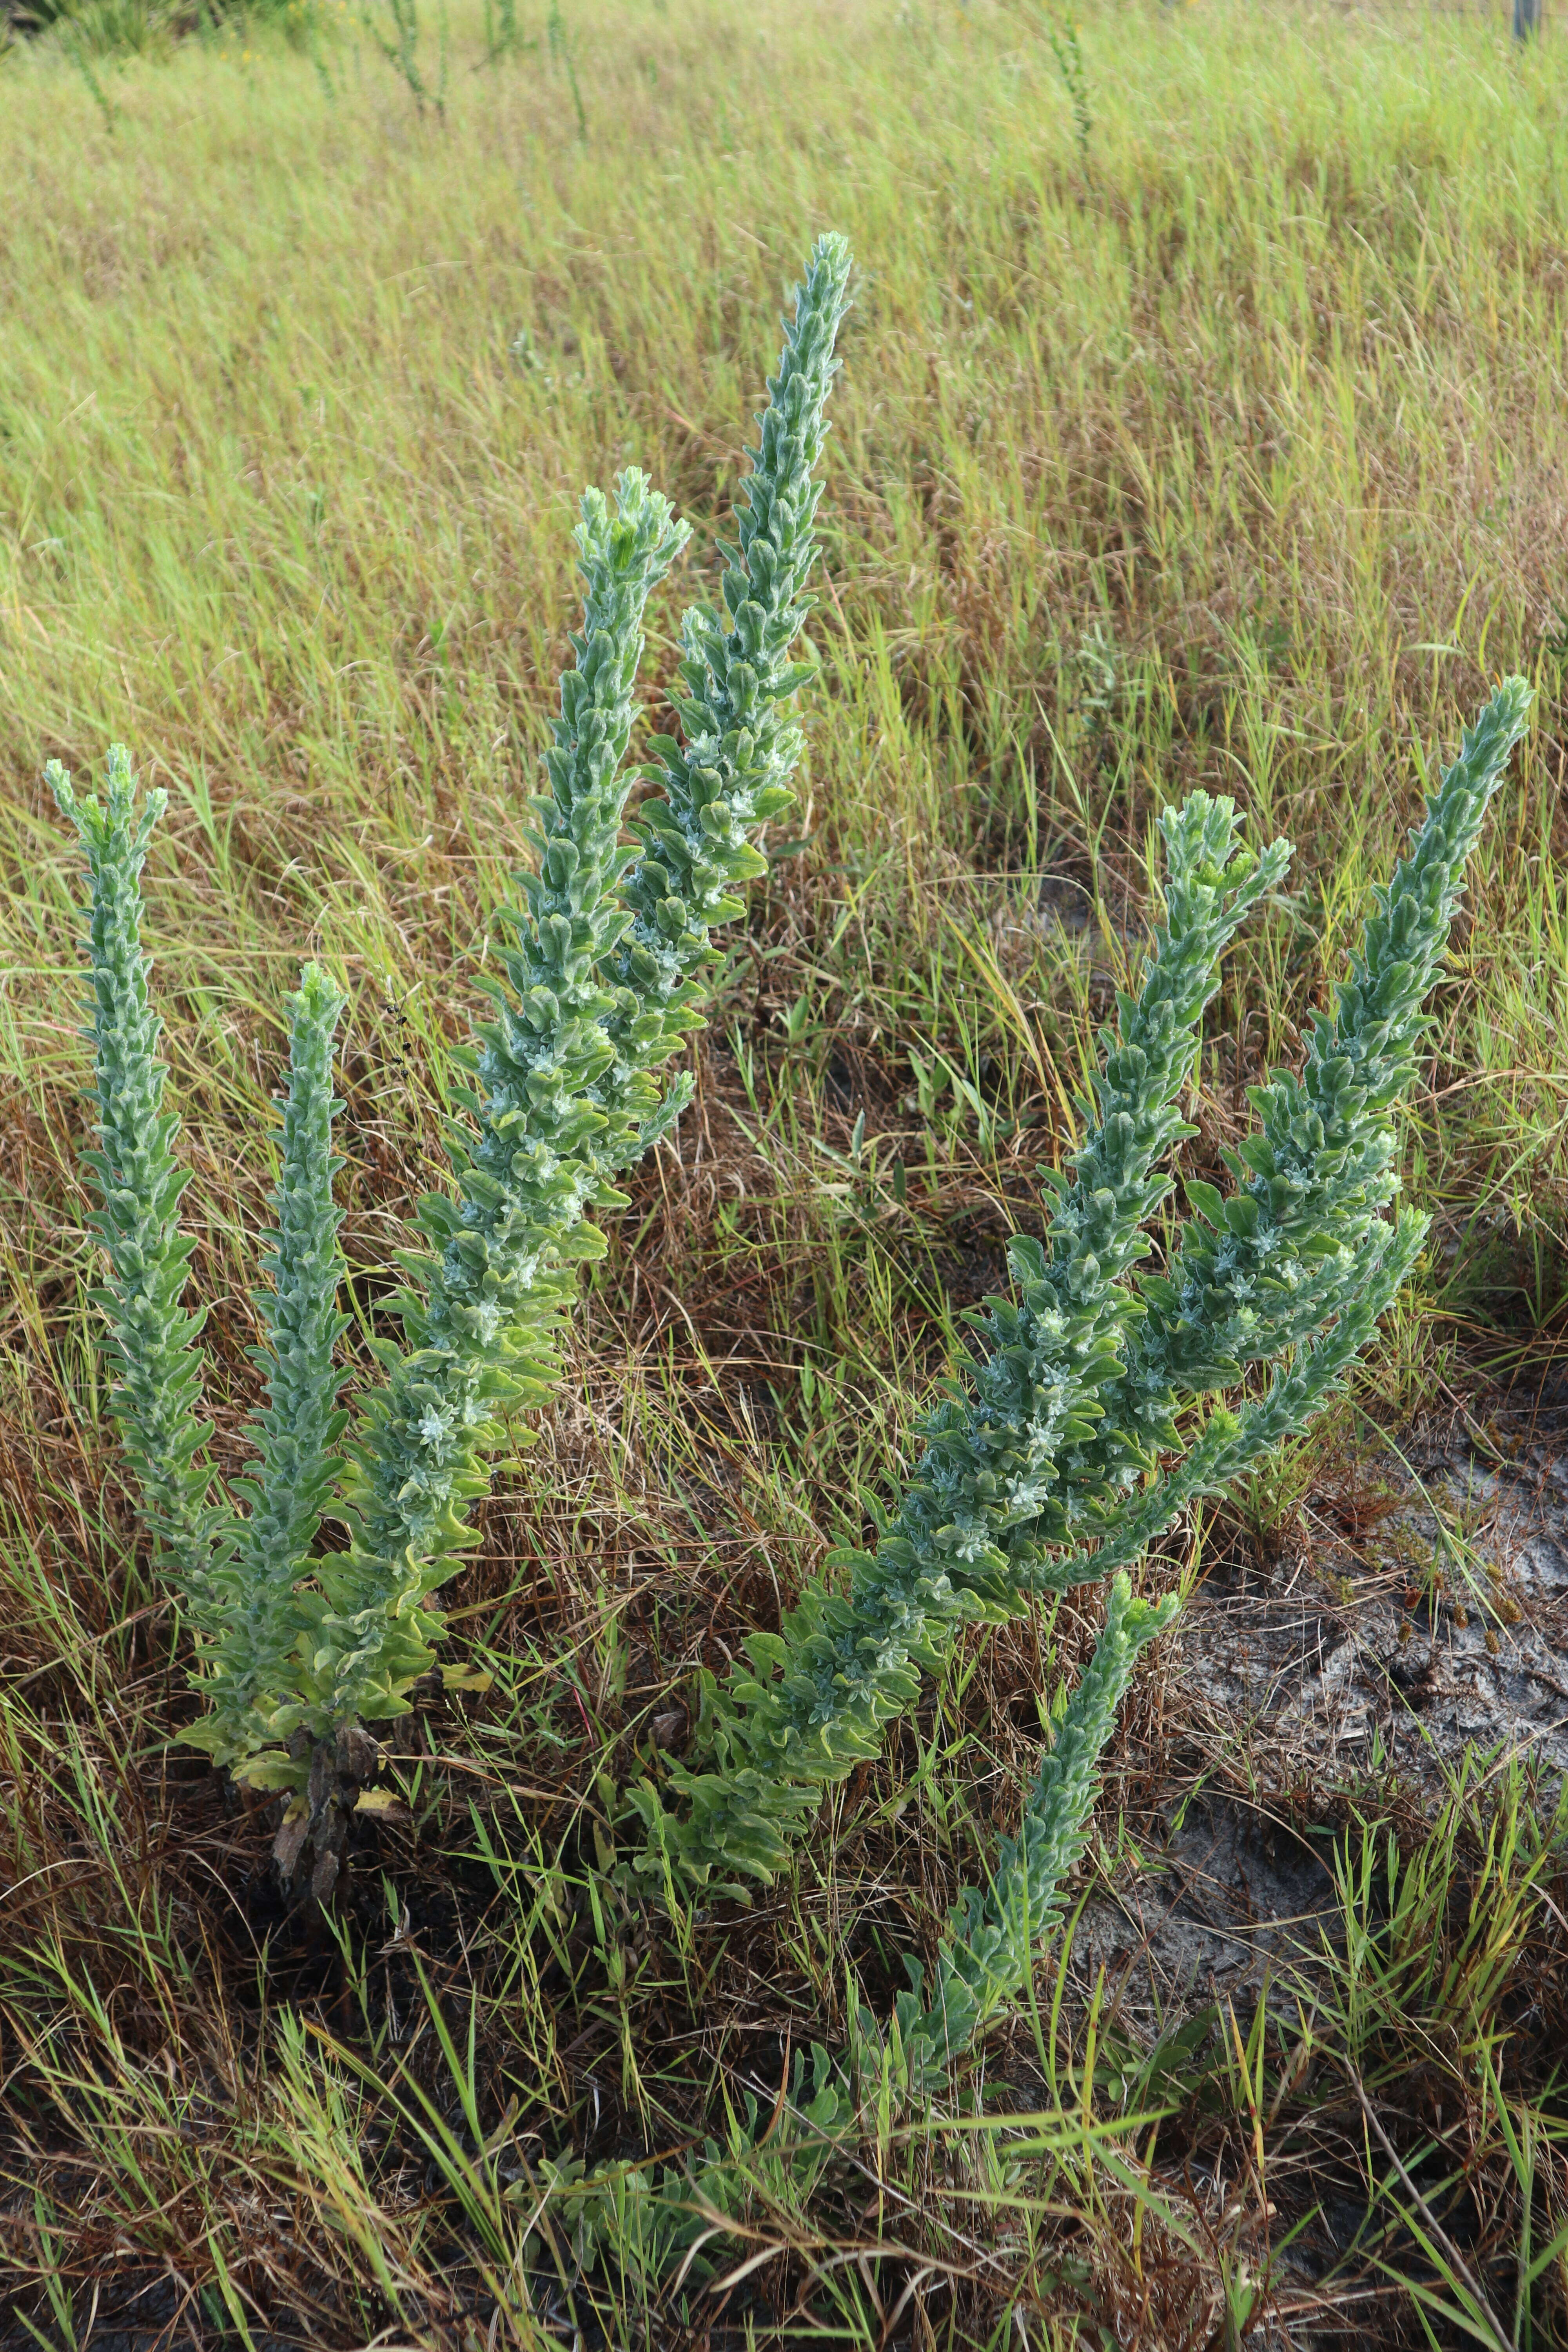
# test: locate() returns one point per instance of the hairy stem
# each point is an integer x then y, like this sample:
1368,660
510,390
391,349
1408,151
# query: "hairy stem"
156,1401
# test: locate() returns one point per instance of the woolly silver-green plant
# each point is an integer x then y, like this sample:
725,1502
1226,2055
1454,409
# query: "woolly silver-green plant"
1059,1431
607,981
1040,1468
249,1599
741,737
820,1691
156,1399
603,977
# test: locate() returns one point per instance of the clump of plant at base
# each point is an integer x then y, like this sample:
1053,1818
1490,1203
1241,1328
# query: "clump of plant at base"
1043,1469
605,976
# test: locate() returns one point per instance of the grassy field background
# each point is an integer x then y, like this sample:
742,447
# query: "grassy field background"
1218,435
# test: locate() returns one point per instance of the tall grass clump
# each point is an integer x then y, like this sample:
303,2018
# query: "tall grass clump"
299,1648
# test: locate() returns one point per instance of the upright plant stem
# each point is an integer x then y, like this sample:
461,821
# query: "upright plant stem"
156,1401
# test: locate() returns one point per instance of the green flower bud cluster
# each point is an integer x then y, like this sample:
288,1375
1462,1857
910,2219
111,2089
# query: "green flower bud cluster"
1045,1440
249,1600
600,977
982,1498
741,739
156,1400
483,1301
1255,1273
